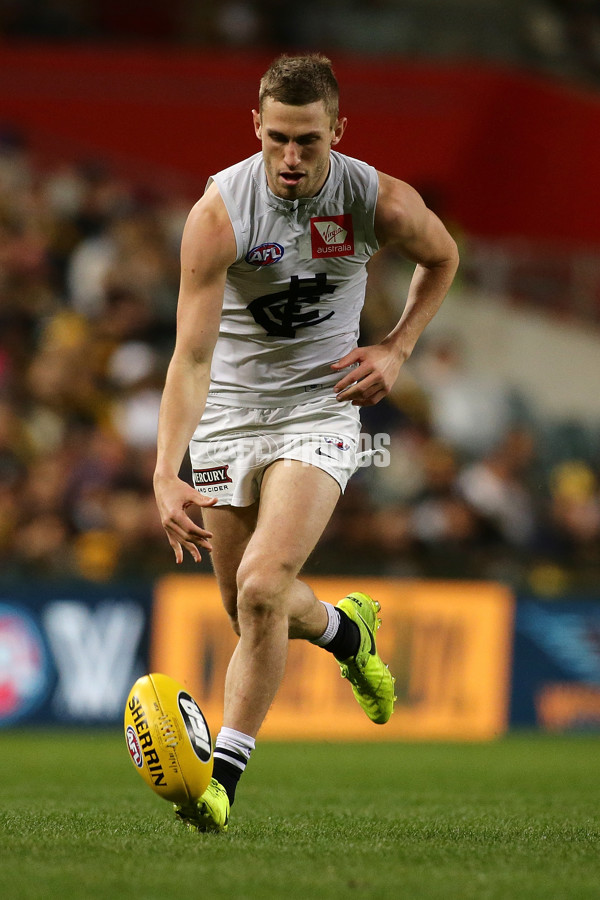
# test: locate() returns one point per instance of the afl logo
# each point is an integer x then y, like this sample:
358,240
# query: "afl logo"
264,254
133,745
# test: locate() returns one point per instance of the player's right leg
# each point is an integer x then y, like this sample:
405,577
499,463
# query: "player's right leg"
308,618
296,503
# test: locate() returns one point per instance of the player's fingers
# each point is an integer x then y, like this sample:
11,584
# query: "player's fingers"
178,544
348,393
184,535
343,385
176,547
347,360
200,500
364,394
356,375
361,386
199,542
194,534
193,551
181,528
371,399
183,525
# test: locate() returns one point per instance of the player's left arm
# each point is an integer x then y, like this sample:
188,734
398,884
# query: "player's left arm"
404,222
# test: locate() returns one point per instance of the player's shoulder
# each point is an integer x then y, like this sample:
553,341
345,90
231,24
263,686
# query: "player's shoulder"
209,211
245,169
394,189
208,230
353,167
397,203
356,180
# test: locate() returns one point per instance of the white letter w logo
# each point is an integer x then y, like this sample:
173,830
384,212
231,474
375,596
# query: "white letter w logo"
94,651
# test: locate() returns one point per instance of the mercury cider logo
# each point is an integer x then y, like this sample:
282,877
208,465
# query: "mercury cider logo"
213,480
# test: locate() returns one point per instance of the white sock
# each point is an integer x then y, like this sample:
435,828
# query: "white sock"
333,623
234,747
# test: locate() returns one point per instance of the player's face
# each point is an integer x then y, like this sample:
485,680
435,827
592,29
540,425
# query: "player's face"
296,141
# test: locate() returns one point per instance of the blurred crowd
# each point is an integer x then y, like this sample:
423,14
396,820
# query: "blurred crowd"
476,485
88,288
556,35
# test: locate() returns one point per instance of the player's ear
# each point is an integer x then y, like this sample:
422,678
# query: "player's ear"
257,124
338,130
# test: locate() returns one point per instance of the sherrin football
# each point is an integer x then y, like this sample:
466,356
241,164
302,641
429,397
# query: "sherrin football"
168,738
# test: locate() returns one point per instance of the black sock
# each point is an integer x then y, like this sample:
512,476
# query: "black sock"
347,640
228,775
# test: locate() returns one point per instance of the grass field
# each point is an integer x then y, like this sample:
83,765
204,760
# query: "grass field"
519,818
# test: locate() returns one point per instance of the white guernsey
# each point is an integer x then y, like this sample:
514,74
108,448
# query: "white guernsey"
295,291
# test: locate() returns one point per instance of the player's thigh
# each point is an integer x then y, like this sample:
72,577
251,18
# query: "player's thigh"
231,527
296,503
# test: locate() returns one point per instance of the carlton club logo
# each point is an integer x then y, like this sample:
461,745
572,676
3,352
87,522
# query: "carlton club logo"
282,313
332,236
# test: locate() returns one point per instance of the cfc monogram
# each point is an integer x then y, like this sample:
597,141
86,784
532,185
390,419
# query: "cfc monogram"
283,312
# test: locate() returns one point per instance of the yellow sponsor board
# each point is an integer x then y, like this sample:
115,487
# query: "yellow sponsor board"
447,643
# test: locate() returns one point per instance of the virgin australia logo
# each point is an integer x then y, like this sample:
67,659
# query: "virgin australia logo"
331,232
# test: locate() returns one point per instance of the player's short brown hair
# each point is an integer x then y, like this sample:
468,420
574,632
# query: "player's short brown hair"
298,80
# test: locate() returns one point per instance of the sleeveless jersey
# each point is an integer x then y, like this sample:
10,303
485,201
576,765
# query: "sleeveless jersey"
294,294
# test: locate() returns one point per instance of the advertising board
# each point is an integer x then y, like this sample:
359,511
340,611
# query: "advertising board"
69,654
448,643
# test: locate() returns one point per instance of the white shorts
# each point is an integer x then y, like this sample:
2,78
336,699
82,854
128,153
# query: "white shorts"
233,446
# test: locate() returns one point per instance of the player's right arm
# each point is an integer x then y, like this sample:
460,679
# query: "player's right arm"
208,248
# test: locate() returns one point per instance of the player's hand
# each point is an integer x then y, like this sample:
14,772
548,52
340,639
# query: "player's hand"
375,371
174,498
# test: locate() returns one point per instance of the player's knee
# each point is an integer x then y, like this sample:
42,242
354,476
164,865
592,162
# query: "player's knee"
262,591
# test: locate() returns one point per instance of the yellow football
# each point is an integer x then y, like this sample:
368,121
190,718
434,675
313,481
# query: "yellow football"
168,739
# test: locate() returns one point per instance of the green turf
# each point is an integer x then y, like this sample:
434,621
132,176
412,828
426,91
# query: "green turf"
519,818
